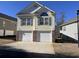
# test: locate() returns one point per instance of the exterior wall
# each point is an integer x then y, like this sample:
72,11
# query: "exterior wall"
36,35
23,28
19,35
35,25
70,30
1,24
9,26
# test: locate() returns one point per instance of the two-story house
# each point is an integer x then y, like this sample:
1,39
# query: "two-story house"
36,23
7,25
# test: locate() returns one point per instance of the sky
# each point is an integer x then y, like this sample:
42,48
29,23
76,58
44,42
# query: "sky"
69,8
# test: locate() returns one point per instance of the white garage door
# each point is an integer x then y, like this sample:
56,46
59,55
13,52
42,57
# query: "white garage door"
27,37
1,32
9,32
45,37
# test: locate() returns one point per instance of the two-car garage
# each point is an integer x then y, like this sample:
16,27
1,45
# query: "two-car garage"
41,36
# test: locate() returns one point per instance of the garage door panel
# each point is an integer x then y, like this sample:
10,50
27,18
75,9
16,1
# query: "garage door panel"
45,37
27,37
1,32
9,32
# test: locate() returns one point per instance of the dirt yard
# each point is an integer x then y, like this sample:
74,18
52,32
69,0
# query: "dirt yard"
66,49
6,41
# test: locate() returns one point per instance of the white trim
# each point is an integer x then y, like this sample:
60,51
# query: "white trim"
36,10
45,7
39,4
49,9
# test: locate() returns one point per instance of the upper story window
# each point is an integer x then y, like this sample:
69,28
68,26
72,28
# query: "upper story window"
44,14
29,21
23,21
40,22
44,21
26,21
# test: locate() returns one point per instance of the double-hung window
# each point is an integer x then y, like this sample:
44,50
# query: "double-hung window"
26,21
44,21
23,21
40,21
29,21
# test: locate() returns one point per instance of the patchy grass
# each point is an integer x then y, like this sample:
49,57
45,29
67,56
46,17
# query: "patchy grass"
66,49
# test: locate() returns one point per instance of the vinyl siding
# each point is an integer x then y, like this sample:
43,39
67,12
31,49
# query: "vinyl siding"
70,30
36,26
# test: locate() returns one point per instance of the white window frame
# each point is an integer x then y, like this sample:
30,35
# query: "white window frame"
44,20
31,21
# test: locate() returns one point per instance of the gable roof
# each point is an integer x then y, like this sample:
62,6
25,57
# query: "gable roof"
7,17
29,8
45,7
74,20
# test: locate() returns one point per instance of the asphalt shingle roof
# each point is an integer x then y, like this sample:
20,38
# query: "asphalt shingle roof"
7,17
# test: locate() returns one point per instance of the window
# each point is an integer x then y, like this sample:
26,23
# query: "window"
44,14
26,21
23,21
44,21
40,22
29,21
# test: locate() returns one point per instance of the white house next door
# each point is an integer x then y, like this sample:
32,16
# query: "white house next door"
27,37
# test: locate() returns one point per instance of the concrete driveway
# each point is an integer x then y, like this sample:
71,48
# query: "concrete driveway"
35,47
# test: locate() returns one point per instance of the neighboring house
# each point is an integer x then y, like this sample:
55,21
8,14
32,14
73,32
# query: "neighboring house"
70,29
7,25
36,23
